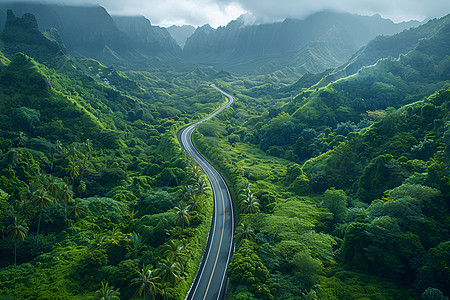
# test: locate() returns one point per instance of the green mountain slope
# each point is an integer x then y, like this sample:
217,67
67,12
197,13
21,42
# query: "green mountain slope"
386,46
90,32
391,82
321,41
371,149
90,173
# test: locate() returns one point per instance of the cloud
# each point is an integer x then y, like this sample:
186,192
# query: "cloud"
398,10
220,12
169,12
166,12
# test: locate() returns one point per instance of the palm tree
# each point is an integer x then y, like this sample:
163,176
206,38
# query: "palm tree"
57,148
188,192
136,242
182,214
17,231
88,146
26,209
201,186
31,190
13,157
41,200
147,281
176,251
249,202
73,151
82,188
66,195
53,186
250,205
77,208
194,169
73,170
169,271
244,232
106,292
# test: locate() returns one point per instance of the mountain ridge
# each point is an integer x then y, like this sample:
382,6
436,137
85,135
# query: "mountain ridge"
233,46
90,31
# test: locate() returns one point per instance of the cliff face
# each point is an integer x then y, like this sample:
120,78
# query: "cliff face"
85,31
325,39
91,32
147,38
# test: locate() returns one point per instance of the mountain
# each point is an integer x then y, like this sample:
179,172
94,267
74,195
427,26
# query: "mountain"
181,33
22,35
90,32
86,31
386,46
146,38
391,82
323,40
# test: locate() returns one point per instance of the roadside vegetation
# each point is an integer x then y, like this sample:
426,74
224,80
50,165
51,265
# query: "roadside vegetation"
341,190
341,187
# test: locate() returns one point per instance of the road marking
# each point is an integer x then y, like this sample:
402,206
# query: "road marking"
221,238
186,137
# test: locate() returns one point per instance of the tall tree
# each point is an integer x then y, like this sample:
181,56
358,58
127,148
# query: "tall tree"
17,231
136,242
106,292
169,271
182,214
249,203
336,202
42,199
66,196
148,282
200,186
176,251
77,208
244,232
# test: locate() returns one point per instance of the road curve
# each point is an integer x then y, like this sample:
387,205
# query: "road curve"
210,282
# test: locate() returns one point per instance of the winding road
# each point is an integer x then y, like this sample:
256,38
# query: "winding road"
210,282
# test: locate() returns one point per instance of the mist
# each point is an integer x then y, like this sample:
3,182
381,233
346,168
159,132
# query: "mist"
220,12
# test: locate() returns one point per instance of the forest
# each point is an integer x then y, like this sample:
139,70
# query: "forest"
340,180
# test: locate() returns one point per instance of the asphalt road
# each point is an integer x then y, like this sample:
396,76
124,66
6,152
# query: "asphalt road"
210,282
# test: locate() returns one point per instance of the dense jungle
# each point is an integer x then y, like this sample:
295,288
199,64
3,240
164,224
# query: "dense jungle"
338,164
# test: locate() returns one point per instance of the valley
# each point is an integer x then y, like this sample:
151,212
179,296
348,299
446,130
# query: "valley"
327,136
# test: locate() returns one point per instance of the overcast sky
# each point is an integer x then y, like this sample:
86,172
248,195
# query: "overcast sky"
220,12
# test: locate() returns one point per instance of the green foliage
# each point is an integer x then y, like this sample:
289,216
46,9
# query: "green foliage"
307,269
246,269
382,173
108,147
335,176
336,202
106,292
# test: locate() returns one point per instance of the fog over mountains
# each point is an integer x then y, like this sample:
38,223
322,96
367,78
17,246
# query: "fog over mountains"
323,40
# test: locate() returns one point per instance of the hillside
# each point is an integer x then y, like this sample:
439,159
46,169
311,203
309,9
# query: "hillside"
90,32
386,46
342,192
91,174
340,181
321,41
